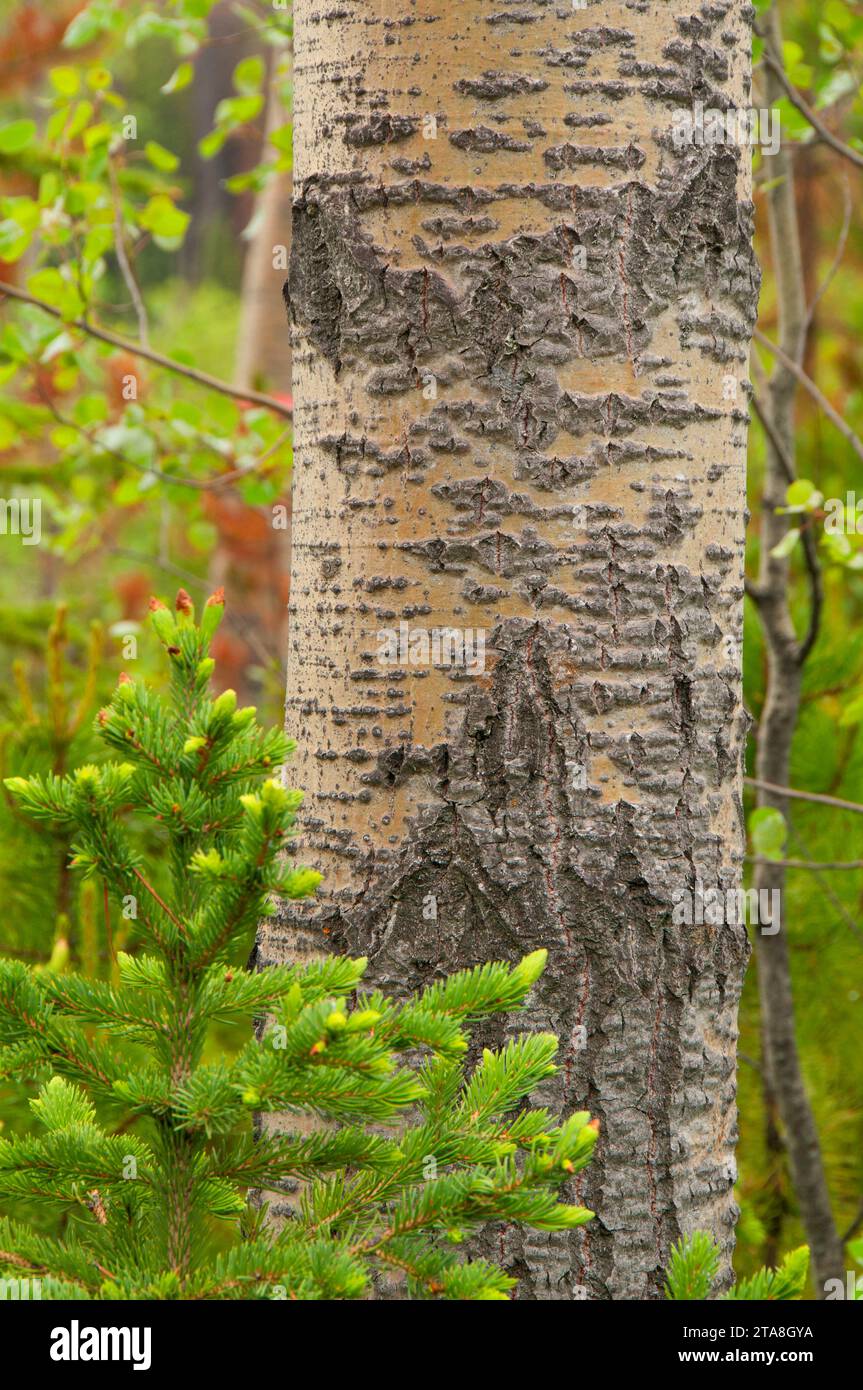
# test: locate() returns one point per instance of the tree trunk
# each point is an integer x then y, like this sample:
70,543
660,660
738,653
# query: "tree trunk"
522,321
263,346
251,559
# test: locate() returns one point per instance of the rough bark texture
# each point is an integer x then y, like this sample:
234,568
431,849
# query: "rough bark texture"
579,288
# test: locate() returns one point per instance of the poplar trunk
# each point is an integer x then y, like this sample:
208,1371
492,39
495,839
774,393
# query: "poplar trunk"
521,316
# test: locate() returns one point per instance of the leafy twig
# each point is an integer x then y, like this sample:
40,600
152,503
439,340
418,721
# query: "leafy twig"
105,335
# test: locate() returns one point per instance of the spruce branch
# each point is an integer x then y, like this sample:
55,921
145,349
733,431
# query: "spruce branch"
694,1265
145,1139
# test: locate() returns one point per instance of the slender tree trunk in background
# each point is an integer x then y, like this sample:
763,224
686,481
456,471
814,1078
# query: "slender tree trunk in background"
263,346
522,324
252,557
784,1086
215,211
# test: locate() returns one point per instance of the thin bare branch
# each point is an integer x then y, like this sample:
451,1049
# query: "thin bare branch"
806,111
817,395
123,260
792,792
104,335
854,1227
810,550
796,839
213,484
806,863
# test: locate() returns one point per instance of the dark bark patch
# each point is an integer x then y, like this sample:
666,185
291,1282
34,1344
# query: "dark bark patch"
512,17
570,156
494,85
482,140
382,129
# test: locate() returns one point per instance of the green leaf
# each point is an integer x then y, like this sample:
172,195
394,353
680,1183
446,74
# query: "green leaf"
212,143
64,437
768,832
164,219
799,73
83,198
50,286
66,81
159,157
784,547
180,78
235,111
14,240
86,26
16,136
773,1285
283,138
790,1277
248,75
90,410
49,189
99,134
253,178
132,442
24,211
98,79
802,496
186,33
128,492
97,241
80,119
852,713
62,342
258,492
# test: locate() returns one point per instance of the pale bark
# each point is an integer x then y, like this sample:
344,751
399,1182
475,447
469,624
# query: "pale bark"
561,797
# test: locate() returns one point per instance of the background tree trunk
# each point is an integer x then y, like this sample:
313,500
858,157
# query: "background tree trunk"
251,559
523,318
